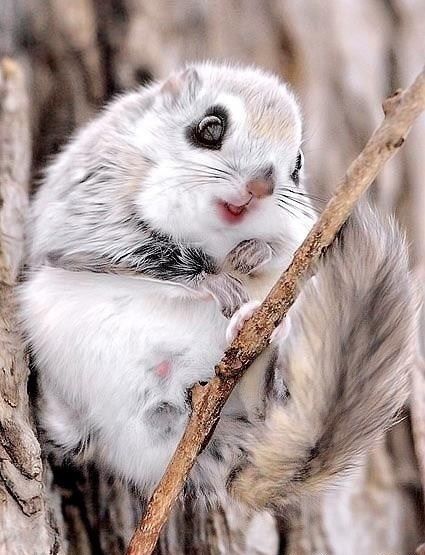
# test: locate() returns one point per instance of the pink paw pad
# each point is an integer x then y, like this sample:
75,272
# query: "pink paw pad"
163,370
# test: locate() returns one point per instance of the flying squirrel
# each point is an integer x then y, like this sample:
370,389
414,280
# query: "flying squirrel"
164,215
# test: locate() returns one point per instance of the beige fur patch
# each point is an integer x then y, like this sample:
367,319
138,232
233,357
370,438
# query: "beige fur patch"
273,125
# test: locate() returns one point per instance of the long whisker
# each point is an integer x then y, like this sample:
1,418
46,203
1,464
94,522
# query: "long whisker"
285,207
232,167
296,210
304,193
305,199
307,210
299,202
190,182
212,168
219,170
201,172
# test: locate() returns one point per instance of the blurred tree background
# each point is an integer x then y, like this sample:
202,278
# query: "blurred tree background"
342,57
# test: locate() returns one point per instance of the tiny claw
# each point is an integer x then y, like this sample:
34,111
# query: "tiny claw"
239,318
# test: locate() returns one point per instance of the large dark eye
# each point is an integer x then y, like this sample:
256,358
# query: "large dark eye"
209,131
295,175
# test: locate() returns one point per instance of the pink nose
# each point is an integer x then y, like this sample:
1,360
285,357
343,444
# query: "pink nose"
260,188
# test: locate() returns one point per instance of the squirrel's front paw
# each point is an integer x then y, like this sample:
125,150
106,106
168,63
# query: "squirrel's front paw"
238,319
227,290
249,255
245,312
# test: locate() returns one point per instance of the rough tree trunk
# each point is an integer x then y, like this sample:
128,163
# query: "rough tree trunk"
26,523
342,57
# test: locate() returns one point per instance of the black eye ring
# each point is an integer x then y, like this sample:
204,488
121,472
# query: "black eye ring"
295,175
209,131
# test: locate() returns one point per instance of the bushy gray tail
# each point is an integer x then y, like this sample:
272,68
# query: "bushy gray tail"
346,363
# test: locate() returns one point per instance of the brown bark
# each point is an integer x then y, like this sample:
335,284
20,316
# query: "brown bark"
27,526
343,58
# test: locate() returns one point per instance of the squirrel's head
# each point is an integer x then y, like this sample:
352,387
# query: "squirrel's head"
211,155
224,149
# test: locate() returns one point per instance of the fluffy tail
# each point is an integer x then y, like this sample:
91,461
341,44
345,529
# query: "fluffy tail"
346,364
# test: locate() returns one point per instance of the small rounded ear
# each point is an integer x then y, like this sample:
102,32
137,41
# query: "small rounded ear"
180,83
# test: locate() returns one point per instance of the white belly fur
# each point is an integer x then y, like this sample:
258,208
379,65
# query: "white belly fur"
97,339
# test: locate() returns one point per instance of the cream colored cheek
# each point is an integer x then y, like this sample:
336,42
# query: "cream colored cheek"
270,127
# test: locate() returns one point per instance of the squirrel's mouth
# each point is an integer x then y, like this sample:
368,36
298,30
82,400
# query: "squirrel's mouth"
232,213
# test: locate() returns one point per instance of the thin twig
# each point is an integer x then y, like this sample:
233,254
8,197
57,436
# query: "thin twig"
400,110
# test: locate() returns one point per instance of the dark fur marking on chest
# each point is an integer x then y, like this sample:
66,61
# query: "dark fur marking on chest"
153,254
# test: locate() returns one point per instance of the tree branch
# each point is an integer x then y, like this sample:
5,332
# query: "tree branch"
400,110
